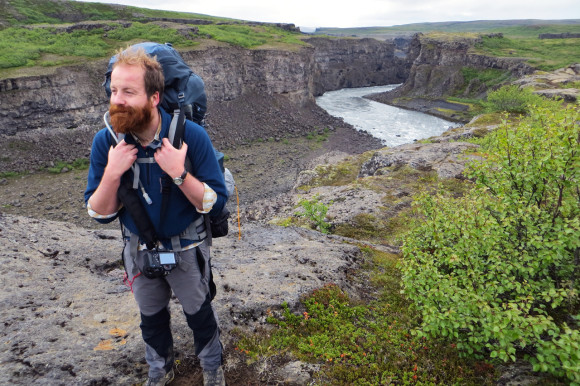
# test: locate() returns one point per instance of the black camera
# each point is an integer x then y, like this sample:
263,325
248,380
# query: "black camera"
157,264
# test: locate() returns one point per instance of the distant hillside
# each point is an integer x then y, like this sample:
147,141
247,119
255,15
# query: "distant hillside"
511,28
23,12
36,35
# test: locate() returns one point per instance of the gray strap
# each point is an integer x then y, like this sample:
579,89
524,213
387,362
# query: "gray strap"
195,232
173,126
176,243
136,173
146,160
133,241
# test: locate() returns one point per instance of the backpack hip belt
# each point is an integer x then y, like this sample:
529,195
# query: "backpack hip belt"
195,232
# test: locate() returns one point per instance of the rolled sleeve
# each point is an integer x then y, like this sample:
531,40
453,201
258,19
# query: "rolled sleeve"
99,216
209,199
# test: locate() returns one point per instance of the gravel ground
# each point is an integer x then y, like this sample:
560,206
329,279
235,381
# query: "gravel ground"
263,166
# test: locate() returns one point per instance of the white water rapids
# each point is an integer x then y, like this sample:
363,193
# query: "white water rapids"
393,125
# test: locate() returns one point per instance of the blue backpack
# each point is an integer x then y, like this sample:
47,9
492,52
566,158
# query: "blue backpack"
184,90
184,97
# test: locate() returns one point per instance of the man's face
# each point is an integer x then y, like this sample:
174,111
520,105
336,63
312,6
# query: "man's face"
131,110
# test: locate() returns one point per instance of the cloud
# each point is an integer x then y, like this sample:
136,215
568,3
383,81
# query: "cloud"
330,13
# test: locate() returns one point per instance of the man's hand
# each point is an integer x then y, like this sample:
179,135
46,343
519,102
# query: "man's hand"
104,200
121,157
172,162
170,159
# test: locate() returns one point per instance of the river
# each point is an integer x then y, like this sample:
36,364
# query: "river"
393,125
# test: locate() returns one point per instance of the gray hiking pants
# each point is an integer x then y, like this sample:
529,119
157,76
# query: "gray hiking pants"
190,284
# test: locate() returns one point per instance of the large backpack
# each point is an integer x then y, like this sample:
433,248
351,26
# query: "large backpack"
184,97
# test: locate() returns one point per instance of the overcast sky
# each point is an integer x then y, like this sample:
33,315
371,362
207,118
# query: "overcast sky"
367,13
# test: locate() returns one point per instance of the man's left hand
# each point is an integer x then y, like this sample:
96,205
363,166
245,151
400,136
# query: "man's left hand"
170,159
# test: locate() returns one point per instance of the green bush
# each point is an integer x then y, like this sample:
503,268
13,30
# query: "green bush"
497,270
315,212
511,99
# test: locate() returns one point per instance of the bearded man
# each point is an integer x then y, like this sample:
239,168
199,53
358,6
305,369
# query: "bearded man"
137,85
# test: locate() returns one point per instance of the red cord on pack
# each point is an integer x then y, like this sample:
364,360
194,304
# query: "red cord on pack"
129,283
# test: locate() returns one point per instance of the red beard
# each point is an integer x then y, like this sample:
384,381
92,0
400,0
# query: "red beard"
128,119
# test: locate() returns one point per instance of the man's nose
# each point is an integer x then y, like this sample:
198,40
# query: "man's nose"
117,99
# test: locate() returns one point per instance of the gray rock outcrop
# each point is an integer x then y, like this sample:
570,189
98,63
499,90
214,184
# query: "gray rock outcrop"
69,319
448,159
554,84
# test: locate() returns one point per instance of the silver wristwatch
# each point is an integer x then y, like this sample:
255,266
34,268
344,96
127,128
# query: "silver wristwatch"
179,180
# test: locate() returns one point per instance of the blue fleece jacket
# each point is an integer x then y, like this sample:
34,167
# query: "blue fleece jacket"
181,212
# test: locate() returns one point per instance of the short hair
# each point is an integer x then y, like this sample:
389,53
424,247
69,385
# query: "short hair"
136,56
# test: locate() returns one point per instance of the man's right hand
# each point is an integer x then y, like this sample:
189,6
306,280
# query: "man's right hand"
121,157
104,200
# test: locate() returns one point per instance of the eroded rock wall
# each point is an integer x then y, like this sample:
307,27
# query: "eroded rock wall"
437,64
66,99
73,96
345,63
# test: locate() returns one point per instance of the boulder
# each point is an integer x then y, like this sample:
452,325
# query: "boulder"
448,159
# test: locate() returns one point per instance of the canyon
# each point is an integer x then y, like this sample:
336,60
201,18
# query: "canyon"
253,94
68,317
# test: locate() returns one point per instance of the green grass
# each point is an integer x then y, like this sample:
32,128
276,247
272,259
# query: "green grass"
489,76
34,45
248,36
364,343
533,31
32,32
10,174
48,47
78,164
21,12
510,28
543,54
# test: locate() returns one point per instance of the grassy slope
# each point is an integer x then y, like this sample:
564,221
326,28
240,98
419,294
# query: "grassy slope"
34,37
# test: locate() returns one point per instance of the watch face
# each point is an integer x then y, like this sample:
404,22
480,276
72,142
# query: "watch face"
179,180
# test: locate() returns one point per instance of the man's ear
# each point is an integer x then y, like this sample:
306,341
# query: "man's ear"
155,99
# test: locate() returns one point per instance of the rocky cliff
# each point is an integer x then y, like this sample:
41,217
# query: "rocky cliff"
438,61
72,96
355,63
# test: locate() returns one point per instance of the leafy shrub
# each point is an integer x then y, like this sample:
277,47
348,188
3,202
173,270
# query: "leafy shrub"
315,212
511,99
498,269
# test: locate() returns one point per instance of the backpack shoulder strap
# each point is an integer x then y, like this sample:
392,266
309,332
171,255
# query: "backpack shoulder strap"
177,128
175,136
